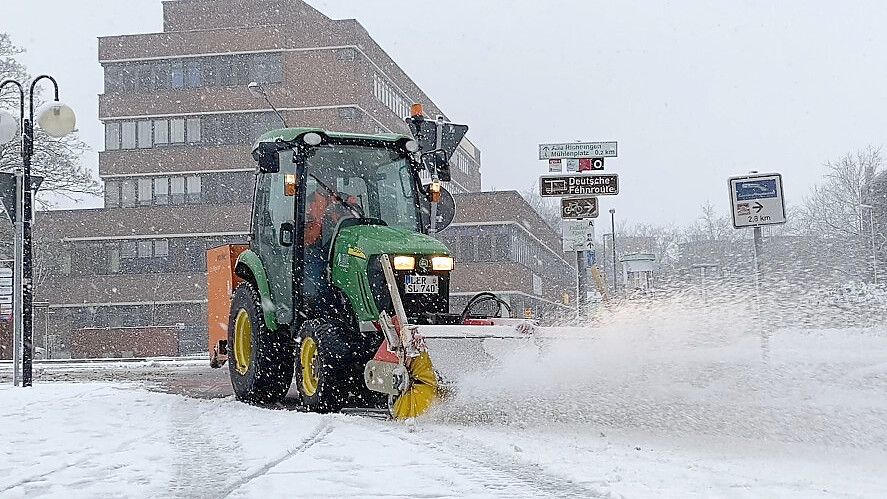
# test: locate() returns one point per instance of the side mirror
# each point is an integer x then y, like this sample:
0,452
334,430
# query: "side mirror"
268,156
446,210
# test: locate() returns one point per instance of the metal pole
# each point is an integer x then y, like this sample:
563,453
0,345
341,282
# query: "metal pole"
582,295
613,235
759,257
874,253
26,274
17,285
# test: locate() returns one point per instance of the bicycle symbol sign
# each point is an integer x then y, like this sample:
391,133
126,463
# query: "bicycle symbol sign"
579,208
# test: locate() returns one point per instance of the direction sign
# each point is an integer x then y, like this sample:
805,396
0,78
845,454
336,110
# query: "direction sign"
757,200
579,208
578,235
555,166
587,184
578,150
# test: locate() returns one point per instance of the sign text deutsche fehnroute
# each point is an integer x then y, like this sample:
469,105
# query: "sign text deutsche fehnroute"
579,185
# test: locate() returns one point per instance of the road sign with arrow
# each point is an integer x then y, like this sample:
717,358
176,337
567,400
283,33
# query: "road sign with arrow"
757,200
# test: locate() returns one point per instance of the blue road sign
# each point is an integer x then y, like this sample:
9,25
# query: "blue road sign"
755,189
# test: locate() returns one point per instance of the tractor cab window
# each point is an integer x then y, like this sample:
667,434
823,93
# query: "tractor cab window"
374,182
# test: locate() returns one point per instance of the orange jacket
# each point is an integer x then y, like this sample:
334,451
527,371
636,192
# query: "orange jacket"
318,205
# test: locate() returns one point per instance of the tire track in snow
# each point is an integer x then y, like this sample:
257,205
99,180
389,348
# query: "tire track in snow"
500,474
319,433
41,476
198,458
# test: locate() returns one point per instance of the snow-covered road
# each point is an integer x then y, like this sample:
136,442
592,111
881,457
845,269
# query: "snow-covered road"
656,404
111,440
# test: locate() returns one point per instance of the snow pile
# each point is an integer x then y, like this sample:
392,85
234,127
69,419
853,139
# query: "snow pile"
689,364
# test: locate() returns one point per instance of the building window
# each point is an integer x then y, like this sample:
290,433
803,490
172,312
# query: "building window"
266,68
177,190
161,248
128,249
387,94
347,54
162,75
144,134
145,191
66,262
112,194
193,130
161,190
193,188
177,79
349,113
128,133
146,249
177,130
114,259
112,136
161,132
127,194
193,73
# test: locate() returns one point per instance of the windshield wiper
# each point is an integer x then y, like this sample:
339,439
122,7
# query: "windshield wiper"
355,210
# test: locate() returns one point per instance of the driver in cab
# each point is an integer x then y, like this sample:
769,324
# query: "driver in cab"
323,213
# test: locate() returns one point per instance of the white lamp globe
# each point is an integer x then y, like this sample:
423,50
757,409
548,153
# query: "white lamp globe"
56,119
9,127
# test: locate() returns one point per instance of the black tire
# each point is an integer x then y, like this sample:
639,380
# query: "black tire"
338,367
269,368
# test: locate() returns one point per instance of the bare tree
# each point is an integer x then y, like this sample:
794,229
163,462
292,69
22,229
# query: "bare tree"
58,161
833,207
548,209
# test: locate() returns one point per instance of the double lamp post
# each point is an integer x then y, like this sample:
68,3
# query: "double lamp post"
57,120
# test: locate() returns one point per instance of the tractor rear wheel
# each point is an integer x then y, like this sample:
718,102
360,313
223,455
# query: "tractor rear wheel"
260,361
330,365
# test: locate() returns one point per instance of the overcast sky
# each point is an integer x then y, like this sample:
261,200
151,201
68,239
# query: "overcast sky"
693,91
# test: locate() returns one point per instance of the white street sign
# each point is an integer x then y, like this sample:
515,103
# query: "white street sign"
555,166
5,299
578,150
5,272
757,200
5,281
578,235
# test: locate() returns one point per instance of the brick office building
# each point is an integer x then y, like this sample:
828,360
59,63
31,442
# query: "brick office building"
179,125
502,245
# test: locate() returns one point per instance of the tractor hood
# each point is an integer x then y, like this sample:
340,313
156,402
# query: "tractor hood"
363,241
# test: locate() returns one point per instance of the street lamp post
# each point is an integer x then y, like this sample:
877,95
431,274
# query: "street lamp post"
874,252
258,91
57,120
613,235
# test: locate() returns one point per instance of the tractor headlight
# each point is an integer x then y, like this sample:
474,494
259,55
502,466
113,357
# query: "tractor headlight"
404,262
442,263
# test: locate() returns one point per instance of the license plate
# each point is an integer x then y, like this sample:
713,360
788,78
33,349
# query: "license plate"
424,284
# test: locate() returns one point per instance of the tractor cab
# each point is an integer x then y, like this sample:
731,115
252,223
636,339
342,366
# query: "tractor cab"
328,205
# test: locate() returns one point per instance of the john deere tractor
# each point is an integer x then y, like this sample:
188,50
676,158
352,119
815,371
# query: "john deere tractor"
340,275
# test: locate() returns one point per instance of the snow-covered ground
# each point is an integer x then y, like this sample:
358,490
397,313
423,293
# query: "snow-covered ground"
661,402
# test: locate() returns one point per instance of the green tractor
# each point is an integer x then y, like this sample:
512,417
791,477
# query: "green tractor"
340,274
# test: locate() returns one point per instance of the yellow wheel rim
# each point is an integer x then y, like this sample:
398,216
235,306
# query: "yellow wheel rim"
308,356
243,342
422,393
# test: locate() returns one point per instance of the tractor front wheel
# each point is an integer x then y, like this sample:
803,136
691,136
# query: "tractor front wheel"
260,361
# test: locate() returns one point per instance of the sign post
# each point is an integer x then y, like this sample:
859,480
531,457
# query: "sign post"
756,200
578,191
